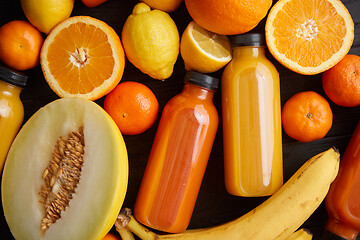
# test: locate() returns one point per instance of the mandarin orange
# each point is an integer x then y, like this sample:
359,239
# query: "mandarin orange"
307,116
341,83
20,45
133,107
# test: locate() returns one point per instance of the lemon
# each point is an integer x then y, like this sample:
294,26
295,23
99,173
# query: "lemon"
45,14
204,51
167,6
151,41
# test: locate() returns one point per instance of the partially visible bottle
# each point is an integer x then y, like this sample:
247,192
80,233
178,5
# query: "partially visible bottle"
250,89
343,199
179,156
11,108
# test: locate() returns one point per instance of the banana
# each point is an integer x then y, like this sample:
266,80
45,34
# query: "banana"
301,234
276,218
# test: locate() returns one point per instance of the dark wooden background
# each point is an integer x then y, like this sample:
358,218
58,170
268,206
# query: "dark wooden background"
214,205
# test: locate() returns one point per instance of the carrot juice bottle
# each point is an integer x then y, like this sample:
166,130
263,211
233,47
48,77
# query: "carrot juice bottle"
343,199
179,156
250,89
11,108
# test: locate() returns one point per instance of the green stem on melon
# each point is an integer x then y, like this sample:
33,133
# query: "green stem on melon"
126,221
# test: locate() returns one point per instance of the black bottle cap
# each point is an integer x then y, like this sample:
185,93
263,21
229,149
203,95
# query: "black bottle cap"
248,39
202,80
12,76
327,235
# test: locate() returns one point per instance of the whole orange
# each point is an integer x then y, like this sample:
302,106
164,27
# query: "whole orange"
133,107
111,236
341,83
228,17
20,45
307,116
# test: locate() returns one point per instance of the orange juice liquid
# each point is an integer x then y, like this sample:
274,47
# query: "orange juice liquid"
251,124
177,161
11,117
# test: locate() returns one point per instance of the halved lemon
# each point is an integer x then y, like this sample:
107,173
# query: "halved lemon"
309,36
204,51
82,57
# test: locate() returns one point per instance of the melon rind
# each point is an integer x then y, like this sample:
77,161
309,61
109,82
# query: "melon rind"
104,176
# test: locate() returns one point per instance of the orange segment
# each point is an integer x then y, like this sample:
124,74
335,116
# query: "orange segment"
82,57
309,36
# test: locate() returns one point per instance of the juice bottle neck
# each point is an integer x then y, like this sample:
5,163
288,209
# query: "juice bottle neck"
201,93
248,52
7,89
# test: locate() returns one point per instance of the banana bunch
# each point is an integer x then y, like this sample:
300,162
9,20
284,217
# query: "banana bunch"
276,218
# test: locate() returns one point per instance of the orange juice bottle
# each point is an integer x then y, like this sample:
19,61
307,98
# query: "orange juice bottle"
250,89
11,108
179,156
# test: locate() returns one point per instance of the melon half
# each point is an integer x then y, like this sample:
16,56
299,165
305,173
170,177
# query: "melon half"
66,173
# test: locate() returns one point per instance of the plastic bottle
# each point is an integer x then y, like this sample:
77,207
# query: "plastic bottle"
250,89
11,108
343,199
179,156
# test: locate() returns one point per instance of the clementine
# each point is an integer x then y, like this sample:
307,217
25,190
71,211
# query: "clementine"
133,107
307,116
341,83
228,17
111,236
93,3
82,57
20,45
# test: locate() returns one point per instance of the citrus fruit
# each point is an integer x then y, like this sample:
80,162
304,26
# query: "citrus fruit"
167,6
341,83
308,36
228,17
82,57
204,51
20,45
93,3
111,236
133,106
306,116
45,14
71,182
151,41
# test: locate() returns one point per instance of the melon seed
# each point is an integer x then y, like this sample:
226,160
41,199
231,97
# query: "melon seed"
61,176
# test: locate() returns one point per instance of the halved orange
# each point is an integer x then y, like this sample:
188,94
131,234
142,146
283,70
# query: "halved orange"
82,57
309,36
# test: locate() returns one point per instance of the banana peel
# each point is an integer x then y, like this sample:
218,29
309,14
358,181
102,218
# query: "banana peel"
276,218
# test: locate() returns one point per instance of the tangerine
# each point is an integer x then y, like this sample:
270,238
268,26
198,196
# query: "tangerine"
133,107
341,83
93,3
166,6
228,17
110,236
306,116
20,45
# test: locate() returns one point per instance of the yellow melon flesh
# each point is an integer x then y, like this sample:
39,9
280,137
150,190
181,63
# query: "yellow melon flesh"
102,187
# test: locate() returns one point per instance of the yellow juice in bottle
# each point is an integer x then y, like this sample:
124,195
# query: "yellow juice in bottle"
251,120
11,108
